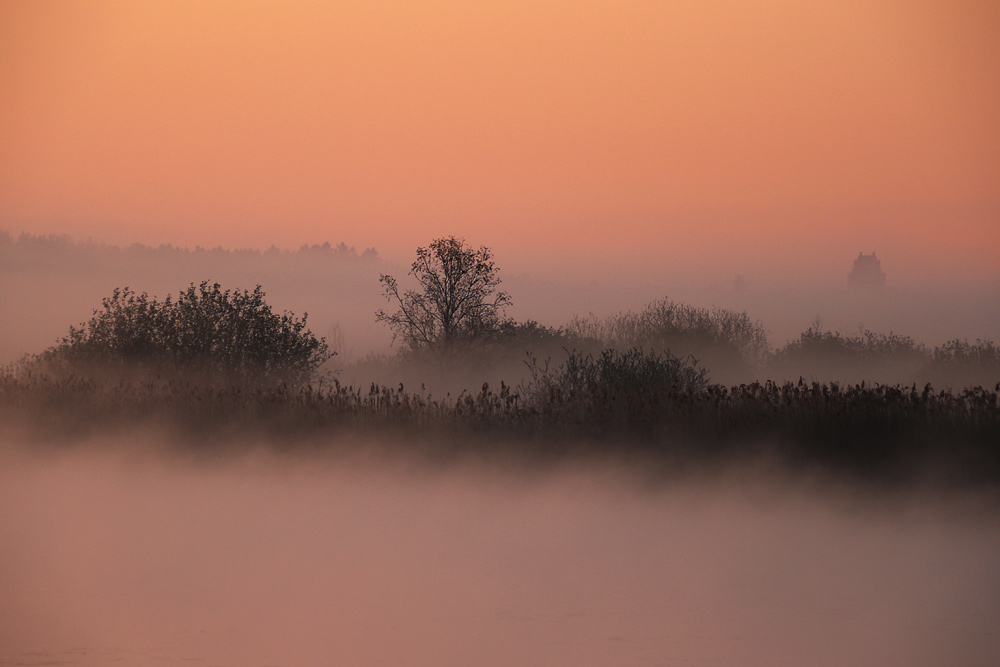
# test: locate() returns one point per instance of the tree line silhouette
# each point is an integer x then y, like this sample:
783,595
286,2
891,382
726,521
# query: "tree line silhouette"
213,357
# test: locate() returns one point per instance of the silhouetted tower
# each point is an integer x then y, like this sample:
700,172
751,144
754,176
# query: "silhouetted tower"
867,273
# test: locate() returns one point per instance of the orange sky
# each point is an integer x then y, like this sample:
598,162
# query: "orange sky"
658,136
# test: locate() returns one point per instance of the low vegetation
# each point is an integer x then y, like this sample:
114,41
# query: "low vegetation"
868,432
658,382
888,358
729,342
207,333
613,388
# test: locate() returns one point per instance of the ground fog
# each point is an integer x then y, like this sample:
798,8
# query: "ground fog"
110,555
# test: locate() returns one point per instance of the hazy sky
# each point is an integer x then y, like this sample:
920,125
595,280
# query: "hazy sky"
662,137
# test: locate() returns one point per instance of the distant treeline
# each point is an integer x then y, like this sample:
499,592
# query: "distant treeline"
210,362
49,282
728,346
24,250
43,277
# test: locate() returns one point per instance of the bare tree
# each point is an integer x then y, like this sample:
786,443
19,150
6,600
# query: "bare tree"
458,300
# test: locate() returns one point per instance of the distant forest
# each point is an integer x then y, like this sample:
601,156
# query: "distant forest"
51,282
48,282
672,381
31,251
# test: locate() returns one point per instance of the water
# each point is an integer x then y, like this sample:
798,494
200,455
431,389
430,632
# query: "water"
111,557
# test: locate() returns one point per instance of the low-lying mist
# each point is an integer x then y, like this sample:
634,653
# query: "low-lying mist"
138,552
192,476
48,283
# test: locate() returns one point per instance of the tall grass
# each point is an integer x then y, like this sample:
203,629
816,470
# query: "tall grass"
596,383
616,403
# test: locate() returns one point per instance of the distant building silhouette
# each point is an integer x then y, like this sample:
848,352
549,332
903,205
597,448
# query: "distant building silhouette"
867,273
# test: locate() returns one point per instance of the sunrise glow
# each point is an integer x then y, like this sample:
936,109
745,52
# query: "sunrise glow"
711,135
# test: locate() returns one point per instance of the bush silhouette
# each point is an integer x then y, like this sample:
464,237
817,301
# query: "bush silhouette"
959,363
819,354
206,332
631,385
729,343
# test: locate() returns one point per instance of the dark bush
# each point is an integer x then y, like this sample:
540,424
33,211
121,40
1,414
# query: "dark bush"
464,365
959,363
207,332
730,344
613,389
628,371
866,356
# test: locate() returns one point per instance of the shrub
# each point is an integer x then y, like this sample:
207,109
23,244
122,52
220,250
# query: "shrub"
961,363
465,364
728,342
962,352
613,388
216,335
826,355
628,371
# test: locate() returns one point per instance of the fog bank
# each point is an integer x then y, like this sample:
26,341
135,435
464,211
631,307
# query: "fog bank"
109,555
49,283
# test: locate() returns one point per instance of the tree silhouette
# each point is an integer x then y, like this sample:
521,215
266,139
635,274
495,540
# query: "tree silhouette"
206,331
458,300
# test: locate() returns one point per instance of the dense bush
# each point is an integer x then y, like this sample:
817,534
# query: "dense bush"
494,357
831,355
613,390
620,372
730,344
206,332
960,363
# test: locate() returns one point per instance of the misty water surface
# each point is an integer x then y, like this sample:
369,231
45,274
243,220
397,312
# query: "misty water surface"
109,556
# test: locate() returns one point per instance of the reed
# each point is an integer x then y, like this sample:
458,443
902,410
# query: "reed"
615,403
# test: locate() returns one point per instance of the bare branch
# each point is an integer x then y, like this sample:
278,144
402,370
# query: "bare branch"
457,300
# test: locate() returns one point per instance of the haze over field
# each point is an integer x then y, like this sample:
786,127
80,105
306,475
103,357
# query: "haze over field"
305,560
48,284
640,140
183,482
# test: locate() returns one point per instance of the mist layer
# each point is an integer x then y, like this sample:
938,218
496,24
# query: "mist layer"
299,560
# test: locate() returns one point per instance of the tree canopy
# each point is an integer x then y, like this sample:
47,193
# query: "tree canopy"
457,301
